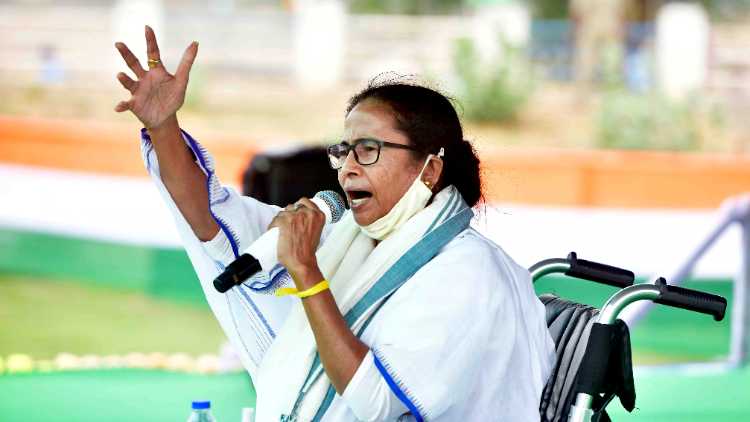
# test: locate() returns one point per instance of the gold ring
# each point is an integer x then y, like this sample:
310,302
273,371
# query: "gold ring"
152,63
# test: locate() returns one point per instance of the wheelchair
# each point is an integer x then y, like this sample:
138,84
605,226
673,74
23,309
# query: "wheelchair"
593,352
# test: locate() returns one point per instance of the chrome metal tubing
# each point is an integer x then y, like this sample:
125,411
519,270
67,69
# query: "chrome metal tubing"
581,411
618,301
549,266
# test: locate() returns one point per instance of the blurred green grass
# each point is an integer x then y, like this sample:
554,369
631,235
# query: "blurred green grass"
82,296
42,317
122,395
671,396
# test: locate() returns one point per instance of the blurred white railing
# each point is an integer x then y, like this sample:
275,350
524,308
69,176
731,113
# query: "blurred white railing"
734,211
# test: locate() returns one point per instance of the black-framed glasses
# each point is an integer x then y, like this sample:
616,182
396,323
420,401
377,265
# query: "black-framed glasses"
366,151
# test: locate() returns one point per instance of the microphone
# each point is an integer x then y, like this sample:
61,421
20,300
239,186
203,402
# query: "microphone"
262,254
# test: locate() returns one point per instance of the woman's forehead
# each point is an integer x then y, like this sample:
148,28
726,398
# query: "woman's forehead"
372,119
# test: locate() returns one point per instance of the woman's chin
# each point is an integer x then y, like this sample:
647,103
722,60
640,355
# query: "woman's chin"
360,218
363,217
363,211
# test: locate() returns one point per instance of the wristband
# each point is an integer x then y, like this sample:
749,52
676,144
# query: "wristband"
285,291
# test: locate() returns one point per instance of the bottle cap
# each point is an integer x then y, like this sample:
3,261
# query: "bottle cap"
197,405
248,414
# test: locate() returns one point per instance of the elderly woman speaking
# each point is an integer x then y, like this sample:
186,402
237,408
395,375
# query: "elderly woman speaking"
402,311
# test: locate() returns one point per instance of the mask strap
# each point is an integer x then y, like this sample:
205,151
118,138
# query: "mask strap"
439,155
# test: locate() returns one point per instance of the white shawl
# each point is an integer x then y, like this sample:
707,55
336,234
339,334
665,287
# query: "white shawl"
352,265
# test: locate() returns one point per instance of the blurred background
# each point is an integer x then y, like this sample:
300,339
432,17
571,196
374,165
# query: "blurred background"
614,128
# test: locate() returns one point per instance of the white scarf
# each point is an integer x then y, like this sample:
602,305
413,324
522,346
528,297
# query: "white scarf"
352,265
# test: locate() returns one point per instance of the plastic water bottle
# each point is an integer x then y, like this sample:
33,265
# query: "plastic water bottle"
201,412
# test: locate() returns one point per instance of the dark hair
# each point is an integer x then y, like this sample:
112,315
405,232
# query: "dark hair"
429,120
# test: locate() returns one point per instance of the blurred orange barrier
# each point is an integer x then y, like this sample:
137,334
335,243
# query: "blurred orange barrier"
630,179
636,179
100,147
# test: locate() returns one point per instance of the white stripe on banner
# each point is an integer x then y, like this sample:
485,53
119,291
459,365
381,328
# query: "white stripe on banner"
112,208
129,210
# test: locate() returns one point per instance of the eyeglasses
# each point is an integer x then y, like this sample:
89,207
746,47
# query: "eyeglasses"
366,151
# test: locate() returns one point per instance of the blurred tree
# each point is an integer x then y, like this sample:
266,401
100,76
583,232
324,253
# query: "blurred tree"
406,7
727,9
549,9
719,9
496,91
627,120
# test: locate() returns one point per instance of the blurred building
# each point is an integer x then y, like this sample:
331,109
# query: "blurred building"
322,42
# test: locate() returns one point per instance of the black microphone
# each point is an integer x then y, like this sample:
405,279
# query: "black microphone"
262,254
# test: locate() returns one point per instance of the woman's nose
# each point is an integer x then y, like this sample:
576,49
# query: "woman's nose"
350,163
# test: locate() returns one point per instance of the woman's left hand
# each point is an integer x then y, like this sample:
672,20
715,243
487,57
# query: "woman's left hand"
300,226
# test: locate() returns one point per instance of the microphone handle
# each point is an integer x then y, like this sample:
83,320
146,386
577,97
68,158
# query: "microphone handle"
237,272
260,256
265,249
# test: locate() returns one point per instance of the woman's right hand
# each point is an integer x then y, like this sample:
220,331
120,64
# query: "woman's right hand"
156,95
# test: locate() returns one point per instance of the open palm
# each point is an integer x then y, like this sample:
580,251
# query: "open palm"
156,94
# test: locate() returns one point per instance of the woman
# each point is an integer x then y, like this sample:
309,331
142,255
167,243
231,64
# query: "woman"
424,319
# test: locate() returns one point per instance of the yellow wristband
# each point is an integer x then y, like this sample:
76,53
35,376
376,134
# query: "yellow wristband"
285,291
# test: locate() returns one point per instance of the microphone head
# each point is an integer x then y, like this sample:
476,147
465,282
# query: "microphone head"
333,204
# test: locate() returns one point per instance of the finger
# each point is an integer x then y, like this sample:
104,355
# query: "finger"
152,48
186,63
126,82
307,203
130,59
123,106
294,207
277,220
273,223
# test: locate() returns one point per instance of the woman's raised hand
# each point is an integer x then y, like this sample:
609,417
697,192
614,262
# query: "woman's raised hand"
156,95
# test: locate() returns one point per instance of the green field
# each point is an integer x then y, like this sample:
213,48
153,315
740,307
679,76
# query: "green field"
127,395
86,298
66,316
41,318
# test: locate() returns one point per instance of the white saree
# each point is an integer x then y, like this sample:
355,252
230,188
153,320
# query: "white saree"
463,339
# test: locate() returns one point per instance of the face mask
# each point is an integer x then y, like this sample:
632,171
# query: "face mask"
413,201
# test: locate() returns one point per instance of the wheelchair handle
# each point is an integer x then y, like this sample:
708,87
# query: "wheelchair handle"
691,300
659,292
586,270
601,273
662,293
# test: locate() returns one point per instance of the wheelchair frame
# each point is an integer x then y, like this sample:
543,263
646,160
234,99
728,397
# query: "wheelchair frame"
659,292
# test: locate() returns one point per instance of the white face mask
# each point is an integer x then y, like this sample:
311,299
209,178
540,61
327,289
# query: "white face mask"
413,201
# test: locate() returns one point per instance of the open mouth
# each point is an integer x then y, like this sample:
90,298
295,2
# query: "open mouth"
358,197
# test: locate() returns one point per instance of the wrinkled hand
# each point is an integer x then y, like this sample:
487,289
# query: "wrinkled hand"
300,226
156,94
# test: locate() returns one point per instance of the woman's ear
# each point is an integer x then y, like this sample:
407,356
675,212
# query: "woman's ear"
433,171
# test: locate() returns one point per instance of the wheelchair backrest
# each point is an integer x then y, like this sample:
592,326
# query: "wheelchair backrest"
569,324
